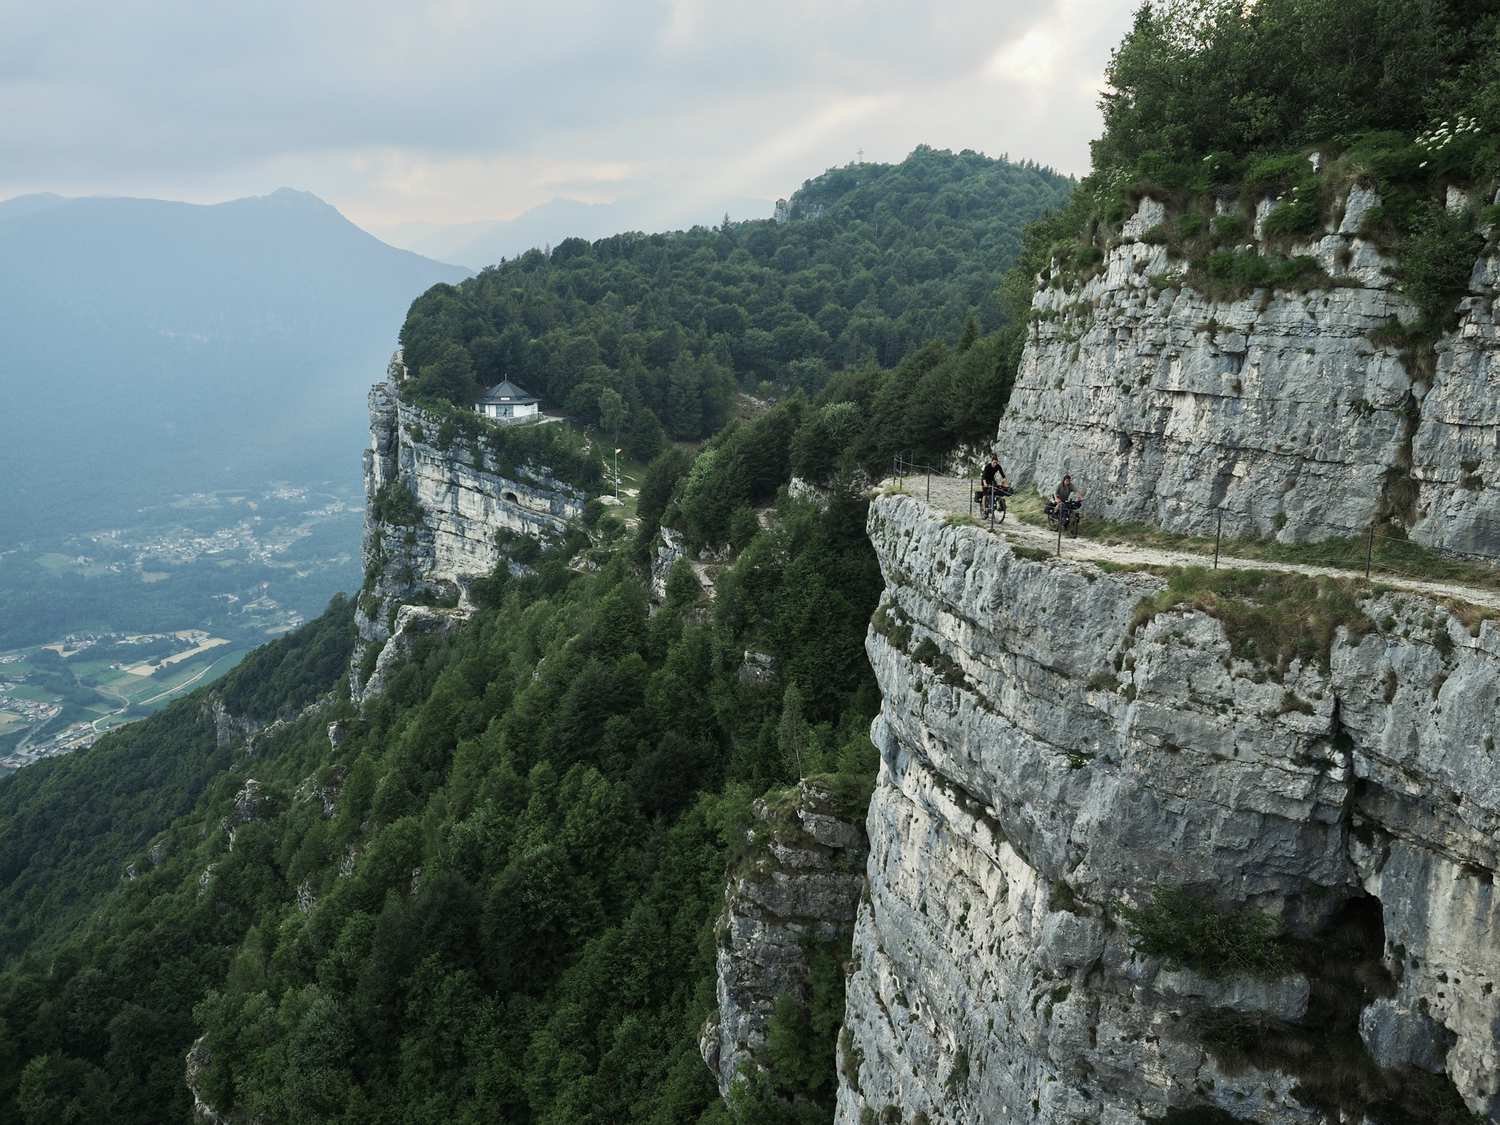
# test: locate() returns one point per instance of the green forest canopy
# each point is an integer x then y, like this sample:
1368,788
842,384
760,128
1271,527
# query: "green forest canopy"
652,334
509,914
1221,102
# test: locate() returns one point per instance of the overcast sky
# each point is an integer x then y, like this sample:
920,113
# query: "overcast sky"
448,111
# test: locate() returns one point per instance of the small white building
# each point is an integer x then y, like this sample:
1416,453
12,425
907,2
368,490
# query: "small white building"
506,402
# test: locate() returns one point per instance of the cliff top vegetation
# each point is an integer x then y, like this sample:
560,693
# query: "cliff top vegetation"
650,336
1223,101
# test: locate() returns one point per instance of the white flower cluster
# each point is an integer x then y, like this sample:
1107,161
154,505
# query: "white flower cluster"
1436,140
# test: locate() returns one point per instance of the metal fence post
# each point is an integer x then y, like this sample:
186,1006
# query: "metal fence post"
970,491
929,486
1059,536
1369,550
1218,537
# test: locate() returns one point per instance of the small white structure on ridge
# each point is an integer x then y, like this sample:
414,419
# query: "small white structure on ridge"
506,402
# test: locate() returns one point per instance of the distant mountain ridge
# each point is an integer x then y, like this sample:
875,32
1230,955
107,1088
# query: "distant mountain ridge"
179,345
484,243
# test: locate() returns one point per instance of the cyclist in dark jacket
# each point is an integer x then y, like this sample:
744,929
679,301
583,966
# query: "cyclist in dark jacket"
1065,499
994,470
994,478
1065,490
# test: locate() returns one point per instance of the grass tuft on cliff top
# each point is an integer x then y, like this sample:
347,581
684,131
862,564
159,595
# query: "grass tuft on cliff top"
1270,617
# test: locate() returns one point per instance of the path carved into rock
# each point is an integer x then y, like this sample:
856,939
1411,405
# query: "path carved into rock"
953,495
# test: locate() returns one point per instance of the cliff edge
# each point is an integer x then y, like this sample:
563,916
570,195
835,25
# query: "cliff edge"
1298,413
436,518
1144,852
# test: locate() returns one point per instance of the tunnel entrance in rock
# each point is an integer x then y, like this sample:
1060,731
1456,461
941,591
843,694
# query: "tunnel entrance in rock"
510,498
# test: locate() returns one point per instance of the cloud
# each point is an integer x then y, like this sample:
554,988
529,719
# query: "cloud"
454,110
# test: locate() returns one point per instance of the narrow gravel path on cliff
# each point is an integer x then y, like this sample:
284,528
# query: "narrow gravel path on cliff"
952,495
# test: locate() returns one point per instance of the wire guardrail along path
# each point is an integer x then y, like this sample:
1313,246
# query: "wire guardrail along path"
1381,555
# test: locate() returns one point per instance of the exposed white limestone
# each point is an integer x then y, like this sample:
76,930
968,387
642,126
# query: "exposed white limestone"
1047,757
462,509
1279,409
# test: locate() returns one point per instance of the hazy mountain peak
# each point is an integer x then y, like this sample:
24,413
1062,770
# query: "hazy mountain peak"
29,204
188,340
295,196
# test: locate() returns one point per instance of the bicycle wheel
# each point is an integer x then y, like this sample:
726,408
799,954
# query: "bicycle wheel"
1001,517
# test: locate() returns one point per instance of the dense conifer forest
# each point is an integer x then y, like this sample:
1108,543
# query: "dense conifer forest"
649,336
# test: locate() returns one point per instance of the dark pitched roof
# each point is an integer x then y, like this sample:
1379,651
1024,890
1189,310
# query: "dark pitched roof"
508,392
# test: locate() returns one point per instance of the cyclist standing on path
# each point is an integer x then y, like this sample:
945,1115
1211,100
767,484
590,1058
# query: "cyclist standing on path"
1066,491
1066,500
994,478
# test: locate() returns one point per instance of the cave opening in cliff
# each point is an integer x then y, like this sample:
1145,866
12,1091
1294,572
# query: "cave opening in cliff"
1345,965
510,498
1346,971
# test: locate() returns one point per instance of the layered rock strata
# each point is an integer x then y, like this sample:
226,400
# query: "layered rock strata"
1051,754
794,890
450,534
1291,413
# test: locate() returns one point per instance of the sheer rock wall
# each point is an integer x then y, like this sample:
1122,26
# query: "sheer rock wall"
1046,758
1278,409
434,557
794,889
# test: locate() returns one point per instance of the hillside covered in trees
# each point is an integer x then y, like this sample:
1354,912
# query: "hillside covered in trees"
650,335
510,908
491,896
509,913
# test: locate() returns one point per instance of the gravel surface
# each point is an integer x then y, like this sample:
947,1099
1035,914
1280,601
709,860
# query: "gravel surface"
952,495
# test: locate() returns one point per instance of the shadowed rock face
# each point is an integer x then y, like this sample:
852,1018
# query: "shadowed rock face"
1278,409
1046,759
453,542
795,889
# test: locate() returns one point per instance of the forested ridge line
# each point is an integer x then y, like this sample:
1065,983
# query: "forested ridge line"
650,335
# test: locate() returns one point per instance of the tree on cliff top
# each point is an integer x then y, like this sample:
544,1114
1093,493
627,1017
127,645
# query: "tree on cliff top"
1195,77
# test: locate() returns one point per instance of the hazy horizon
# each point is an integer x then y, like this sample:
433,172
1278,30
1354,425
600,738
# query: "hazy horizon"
455,113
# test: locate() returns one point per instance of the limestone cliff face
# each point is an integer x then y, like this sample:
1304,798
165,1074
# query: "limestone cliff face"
432,554
1278,409
795,889
1048,757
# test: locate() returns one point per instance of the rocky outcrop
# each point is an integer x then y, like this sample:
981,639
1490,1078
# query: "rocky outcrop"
795,889
251,803
231,729
435,519
413,624
757,669
1288,411
323,788
1052,754
203,1113
668,548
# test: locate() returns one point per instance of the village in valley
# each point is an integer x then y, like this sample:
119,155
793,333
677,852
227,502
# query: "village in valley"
63,696
107,626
